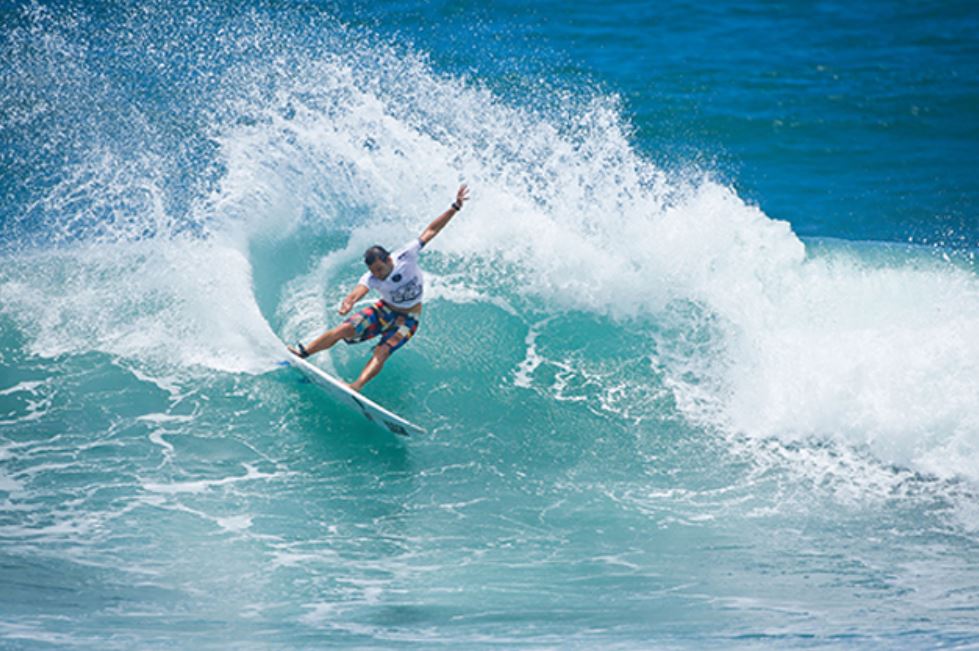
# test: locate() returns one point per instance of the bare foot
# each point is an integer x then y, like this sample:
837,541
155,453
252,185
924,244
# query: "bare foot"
296,352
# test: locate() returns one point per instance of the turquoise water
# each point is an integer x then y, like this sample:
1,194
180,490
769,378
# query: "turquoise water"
698,359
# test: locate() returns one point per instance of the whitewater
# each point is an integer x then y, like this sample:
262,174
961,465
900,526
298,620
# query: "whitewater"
658,416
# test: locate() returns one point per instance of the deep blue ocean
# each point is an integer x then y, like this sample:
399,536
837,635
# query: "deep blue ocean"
698,360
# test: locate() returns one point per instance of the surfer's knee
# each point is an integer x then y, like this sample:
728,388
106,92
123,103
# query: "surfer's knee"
381,353
345,330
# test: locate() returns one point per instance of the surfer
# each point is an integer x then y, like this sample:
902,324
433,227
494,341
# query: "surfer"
394,318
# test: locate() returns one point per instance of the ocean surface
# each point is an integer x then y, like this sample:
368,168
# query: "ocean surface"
698,360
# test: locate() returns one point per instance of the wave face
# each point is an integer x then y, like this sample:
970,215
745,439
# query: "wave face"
657,413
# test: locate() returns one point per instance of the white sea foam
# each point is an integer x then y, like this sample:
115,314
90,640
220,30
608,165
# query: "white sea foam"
532,360
166,304
23,387
9,484
164,418
203,485
235,523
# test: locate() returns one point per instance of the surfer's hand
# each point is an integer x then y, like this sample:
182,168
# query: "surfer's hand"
463,194
345,307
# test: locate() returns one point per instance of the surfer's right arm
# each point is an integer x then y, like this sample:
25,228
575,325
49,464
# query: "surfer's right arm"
358,292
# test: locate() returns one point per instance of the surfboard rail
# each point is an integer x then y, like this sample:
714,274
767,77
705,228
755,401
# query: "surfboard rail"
369,409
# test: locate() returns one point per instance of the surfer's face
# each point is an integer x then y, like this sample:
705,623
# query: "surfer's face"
381,268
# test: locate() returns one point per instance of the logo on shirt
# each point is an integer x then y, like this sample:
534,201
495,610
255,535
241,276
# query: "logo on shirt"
407,292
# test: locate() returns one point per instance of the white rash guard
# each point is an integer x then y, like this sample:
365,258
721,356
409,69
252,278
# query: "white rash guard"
403,287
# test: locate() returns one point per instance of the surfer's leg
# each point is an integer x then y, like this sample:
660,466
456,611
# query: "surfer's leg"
326,340
397,335
361,326
373,367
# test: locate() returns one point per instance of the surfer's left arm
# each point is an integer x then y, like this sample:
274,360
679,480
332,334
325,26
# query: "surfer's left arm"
439,222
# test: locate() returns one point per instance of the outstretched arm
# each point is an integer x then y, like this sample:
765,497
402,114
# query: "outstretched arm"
355,295
439,222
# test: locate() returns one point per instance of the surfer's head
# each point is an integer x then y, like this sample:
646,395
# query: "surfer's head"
378,260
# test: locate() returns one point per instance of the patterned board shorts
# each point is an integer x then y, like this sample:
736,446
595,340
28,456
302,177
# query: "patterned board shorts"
395,328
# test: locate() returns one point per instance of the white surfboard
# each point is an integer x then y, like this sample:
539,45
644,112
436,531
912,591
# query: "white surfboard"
343,394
